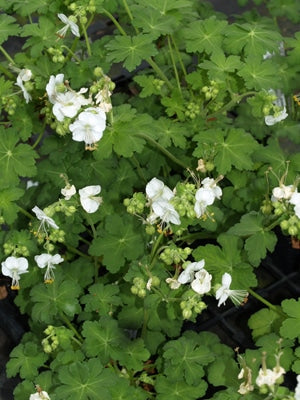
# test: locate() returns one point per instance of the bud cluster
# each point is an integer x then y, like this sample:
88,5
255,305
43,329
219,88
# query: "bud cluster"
139,287
184,200
136,204
56,54
211,91
9,104
193,109
51,342
15,249
174,255
81,9
191,304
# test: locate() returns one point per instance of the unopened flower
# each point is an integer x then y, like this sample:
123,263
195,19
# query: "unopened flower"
39,395
14,267
68,24
246,386
89,126
202,282
222,294
88,199
24,76
45,220
68,191
187,275
48,261
156,190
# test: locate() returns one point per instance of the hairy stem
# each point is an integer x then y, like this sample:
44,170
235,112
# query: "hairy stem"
266,302
174,64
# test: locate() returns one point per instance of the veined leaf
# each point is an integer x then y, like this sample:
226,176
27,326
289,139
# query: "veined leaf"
219,66
131,50
205,36
8,27
8,208
168,389
259,74
291,326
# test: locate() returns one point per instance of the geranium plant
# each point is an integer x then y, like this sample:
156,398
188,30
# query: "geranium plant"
143,173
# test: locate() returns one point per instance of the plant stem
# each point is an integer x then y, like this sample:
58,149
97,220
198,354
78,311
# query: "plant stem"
174,64
125,4
155,247
39,137
25,212
178,56
161,149
70,53
275,223
7,56
197,235
236,99
115,22
7,72
72,50
76,251
89,219
88,46
266,302
70,325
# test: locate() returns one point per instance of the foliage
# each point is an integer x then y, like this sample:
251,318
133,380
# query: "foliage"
143,176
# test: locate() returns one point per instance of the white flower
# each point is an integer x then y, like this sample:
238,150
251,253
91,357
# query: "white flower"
277,117
202,282
55,86
297,388
68,191
68,104
14,267
24,76
187,275
30,184
156,190
68,24
268,376
47,260
246,386
222,294
89,202
89,126
282,192
295,200
204,197
40,395
173,283
166,212
209,183
45,220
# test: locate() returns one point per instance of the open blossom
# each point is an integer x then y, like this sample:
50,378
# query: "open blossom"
45,220
173,283
14,267
279,109
295,200
88,199
246,386
89,126
54,86
24,76
222,294
166,212
202,282
187,275
209,183
69,24
282,192
48,261
68,104
156,190
68,191
268,376
204,197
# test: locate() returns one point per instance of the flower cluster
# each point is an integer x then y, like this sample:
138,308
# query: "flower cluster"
89,113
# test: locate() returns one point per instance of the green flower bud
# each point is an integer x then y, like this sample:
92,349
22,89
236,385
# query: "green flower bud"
142,293
134,290
187,313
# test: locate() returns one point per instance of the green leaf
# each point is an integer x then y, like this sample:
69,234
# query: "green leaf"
84,381
186,359
168,389
263,321
131,50
120,241
260,239
291,326
228,259
15,159
103,339
50,300
134,355
8,27
168,132
205,36
152,21
147,82
259,74
25,360
102,299
22,122
8,209
41,35
219,66
253,38
233,147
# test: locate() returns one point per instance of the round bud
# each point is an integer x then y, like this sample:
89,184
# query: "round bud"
284,225
187,313
141,293
292,230
134,290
